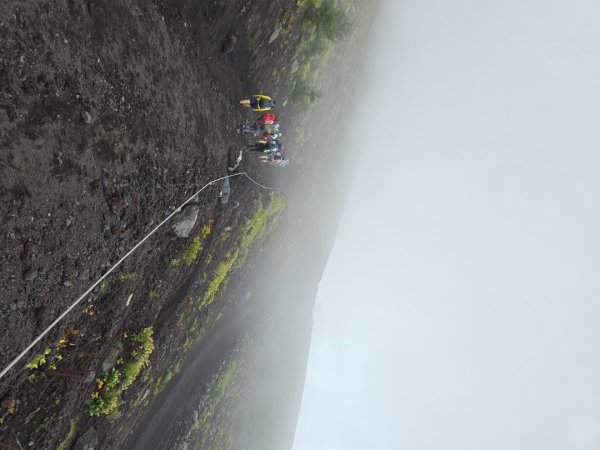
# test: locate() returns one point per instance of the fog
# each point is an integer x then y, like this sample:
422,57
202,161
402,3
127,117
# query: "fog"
460,303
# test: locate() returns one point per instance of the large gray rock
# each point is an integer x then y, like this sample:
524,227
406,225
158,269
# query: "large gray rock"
111,357
87,441
184,222
275,34
225,191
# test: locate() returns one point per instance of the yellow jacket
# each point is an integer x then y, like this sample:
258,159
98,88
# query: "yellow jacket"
260,97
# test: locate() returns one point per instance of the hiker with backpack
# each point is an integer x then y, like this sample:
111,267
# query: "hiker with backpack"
275,159
267,147
258,102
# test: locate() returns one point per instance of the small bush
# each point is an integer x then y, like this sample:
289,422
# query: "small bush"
191,253
131,276
106,399
38,360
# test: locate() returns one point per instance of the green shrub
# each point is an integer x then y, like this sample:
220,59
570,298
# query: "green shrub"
191,253
106,399
38,360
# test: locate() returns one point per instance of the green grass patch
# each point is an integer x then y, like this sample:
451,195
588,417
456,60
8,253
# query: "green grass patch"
258,227
190,254
224,382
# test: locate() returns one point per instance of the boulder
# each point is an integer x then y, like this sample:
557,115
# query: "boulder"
184,222
275,33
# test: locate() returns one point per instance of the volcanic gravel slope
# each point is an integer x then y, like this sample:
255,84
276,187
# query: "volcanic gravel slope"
111,114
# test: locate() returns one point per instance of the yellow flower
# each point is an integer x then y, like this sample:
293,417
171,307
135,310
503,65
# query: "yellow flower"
95,394
100,383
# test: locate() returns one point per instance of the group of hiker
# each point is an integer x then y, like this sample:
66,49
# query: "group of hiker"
265,130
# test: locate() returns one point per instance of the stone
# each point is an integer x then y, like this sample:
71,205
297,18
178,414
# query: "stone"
229,43
87,117
30,275
295,66
184,222
87,441
111,358
225,191
90,378
275,34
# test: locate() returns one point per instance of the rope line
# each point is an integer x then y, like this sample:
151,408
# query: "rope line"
117,264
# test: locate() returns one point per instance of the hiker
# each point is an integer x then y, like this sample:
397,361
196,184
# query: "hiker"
275,159
265,147
266,132
258,102
266,136
268,119
255,128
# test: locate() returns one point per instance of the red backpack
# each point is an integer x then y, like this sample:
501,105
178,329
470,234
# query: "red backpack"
267,117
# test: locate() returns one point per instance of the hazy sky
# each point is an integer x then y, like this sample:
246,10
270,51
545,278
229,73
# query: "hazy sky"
460,308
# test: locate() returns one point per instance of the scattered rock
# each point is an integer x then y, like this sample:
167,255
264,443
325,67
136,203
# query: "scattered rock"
229,43
87,117
115,204
21,304
144,396
225,191
87,441
84,275
67,283
295,66
13,306
27,247
90,378
30,275
185,221
275,33
111,357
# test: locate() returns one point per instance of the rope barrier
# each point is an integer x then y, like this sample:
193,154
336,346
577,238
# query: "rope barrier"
117,264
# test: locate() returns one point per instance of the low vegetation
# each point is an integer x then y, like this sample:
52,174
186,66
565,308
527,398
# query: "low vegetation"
258,227
190,254
324,23
67,440
109,388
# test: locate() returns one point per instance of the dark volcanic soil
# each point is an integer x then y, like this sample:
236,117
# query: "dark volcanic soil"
110,115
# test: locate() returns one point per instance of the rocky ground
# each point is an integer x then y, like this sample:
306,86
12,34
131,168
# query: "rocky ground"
111,114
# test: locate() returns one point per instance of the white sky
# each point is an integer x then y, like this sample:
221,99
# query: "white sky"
460,308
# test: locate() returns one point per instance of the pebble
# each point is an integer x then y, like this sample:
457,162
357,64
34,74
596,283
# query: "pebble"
67,283
86,116
30,275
